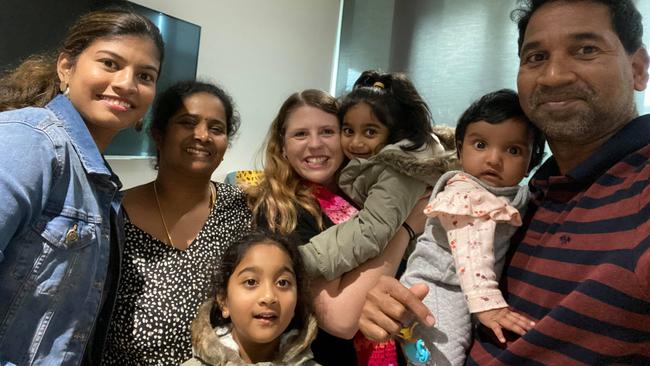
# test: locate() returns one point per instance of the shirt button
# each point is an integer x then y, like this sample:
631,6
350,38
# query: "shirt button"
71,236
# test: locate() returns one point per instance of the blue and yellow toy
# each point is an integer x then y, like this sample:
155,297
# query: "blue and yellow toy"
414,349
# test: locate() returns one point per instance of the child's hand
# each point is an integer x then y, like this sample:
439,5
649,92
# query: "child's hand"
496,319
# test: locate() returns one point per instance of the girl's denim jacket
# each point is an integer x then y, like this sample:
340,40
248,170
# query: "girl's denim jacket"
56,196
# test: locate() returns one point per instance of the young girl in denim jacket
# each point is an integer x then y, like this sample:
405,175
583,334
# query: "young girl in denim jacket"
60,219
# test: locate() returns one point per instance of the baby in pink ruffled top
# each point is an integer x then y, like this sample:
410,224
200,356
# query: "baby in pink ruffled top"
473,214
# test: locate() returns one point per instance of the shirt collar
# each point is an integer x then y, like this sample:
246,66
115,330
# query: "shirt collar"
632,137
90,156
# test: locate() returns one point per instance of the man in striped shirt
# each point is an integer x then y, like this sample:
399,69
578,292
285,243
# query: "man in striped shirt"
580,266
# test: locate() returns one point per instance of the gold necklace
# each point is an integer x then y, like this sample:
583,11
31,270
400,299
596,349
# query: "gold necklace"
213,199
213,196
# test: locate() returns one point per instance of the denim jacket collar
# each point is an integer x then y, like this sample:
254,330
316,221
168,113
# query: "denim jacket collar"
74,125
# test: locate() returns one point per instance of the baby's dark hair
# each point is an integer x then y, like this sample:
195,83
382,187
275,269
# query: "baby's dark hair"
236,252
396,103
495,108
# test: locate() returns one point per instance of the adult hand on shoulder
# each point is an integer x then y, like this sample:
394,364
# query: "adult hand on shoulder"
389,306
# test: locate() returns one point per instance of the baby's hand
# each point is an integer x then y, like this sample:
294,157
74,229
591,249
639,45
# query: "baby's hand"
496,319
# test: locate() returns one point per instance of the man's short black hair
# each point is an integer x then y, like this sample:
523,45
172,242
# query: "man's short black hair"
626,20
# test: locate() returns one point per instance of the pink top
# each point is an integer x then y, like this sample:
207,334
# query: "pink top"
469,213
368,352
337,208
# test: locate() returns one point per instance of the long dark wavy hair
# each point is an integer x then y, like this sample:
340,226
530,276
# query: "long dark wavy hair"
35,81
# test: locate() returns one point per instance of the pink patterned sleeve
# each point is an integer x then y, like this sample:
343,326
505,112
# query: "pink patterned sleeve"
471,243
469,214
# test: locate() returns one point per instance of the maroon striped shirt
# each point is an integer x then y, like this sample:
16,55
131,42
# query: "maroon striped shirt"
581,266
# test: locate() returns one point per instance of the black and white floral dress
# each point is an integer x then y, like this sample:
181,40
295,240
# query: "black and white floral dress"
161,288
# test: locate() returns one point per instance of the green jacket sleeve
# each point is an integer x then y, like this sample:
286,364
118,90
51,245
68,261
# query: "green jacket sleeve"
347,245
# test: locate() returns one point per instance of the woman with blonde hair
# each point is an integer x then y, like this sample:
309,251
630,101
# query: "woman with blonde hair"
282,195
299,196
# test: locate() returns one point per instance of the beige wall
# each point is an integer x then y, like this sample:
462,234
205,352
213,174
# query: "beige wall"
261,51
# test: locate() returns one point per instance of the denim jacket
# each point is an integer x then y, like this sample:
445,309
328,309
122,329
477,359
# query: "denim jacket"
57,194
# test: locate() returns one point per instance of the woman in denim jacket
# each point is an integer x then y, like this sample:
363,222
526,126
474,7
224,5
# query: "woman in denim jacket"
60,200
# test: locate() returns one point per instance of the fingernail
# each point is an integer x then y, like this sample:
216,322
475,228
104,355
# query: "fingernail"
429,320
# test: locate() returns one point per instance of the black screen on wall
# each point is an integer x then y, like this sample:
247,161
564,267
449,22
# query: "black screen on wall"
37,26
181,56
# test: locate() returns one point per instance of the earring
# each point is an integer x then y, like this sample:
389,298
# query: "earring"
224,312
138,124
64,88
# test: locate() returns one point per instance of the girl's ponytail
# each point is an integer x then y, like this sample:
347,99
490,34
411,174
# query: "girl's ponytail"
396,103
